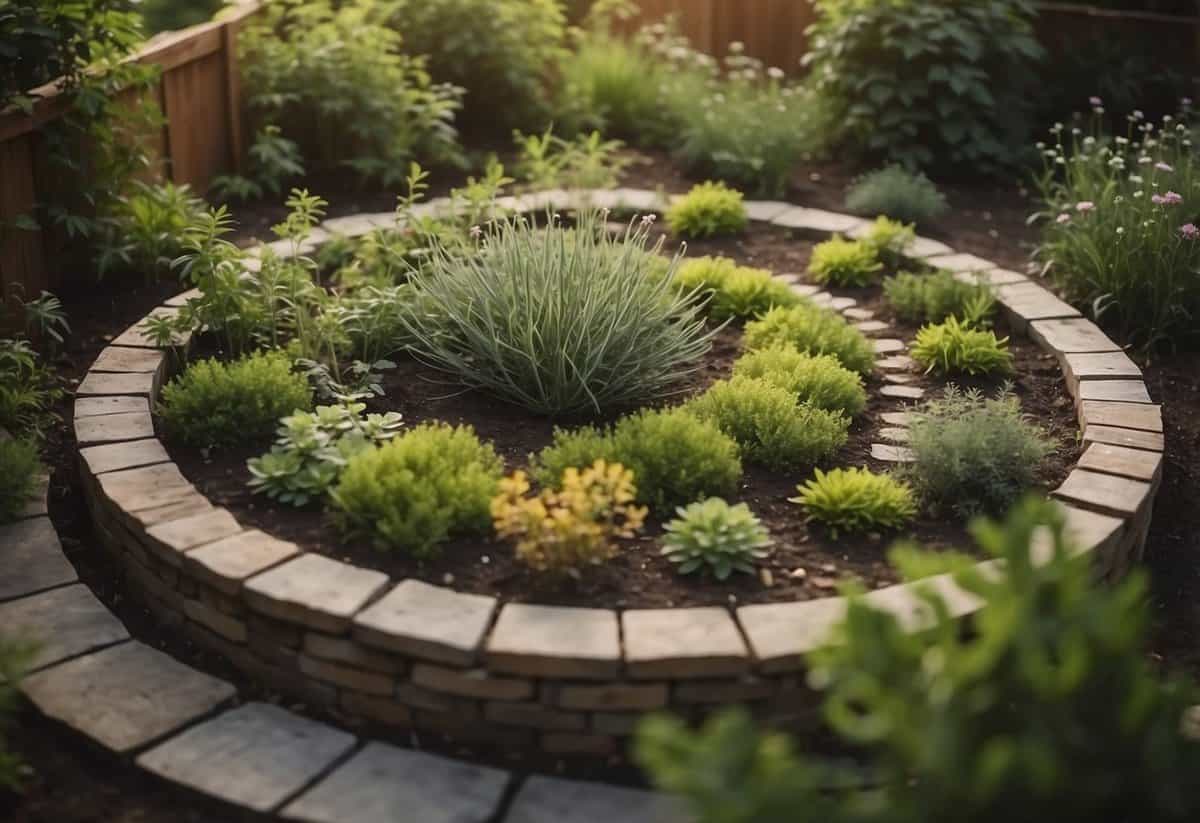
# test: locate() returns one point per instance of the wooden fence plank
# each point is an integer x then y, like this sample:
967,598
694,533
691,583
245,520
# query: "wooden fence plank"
197,110
21,264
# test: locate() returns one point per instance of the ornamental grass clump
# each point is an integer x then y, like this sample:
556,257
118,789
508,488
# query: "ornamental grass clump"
933,297
812,330
564,529
716,537
898,193
708,210
856,500
557,320
844,263
954,347
734,292
817,380
418,490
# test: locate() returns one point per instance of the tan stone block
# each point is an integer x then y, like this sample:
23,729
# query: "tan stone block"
553,641
1118,496
97,383
314,590
1135,463
360,680
476,683
781,634
230,628
1141,416
344,650
114,404
682,643
1131,438
226,563
128,455
174,538
427,621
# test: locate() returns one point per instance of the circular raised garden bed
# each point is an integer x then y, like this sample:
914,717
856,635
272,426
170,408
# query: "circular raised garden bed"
453,649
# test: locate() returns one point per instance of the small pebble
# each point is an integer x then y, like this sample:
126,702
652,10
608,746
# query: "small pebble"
798,574
448,578
766,577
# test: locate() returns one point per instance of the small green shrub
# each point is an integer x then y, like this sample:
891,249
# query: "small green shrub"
889,239
144,229
972,453
717,537
587,162
19,467
675,457
27,389
225,404
416,491
818,380
770,426
931,298
844,263
734,292
898,193
953,347
814,330
856,500
708,210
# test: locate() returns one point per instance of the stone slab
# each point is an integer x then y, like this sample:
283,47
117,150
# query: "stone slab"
137,336
892,454
553,641
128,455
898,377
181,299
765,210
174,538
1134,439
1090,531
112,404
781,634
384,783
817,221
113,428
805,289
682,643
897,418
862,315
38,502
474,683
227,563
888,345
125,696
32,558
872,326
62,622
1124,462
555,800
256,756
902,392
129,360
1114,365
314,590
427,621
1141,416
960,263
1029,301
899,362
1121,391
97,383
922,247
148,487
1071,336
841,304
1107,494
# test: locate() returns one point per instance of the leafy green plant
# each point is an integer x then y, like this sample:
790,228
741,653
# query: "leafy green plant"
813,330
675,457
312,448
890,239
817,380
844,263
146,228
708,210
973,453
896,192
947,81
716,537
224,404
556,319
768,423
27,389
733,291
587,162
856,500
418,490
273,159
170,15
953,347
933,297
19,467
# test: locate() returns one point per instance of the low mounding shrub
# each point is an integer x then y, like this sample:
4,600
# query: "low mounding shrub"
708,210
557,320
931,298
844,263
734,292
818,380
587,162
717,537
973,454
811,329
575,525
953,347
898,193
226,404
675,457
416,491
890,239
768,423
856,500
18,467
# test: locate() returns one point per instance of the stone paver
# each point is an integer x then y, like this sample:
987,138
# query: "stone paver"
842,303
555,800
256,756
137,336
553,641
922,247
898,362
960,263
226,563
185,506
357,225
128,359
103,383
816,221
114,404
898,377
317,591
126,695
892,454
993,277
871,326
175,537
895,434
147,487
1151,441
888,345
1105,366
182,298
32,558
112,428
805,289
765,210
382,782
1122,391
679,643
781,634
1104,493
476,683
1072,336
1091,531
897,418
1029,301
427,621
902,392
1142,416
62,622
861,315
643,200
1135,463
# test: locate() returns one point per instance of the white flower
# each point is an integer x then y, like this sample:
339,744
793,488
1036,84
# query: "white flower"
1139,193
1120,229
775,73
1136,179
1122,141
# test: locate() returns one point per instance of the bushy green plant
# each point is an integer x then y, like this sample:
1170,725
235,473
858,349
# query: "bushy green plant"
844,263
946,81
312,448
898,193
587,162
145,228
19,467
272,160
708,210
170,15
27,390
771,427
1048,710
933,297
418,490
973,453
818,380
225,404
733,291
714,536
856,500
954,347
556,319
890,239
814,330
676,458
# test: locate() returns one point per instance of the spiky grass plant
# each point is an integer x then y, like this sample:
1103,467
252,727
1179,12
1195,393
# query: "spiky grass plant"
856,500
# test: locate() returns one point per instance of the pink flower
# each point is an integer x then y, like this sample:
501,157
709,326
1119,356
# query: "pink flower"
476,231
1084,206
1189,231
1095,101
1063,218
1161,166
1169,199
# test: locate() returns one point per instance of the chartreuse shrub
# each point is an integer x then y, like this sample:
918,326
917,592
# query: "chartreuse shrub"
844,263
433,482
226,404
947,81
769,424
889,238
555,319
708,210
733,291
856,500
813,330
564,529
896,192
19,467
933,297
675,457
973,453
713,536
817,380
954,347
1047,710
